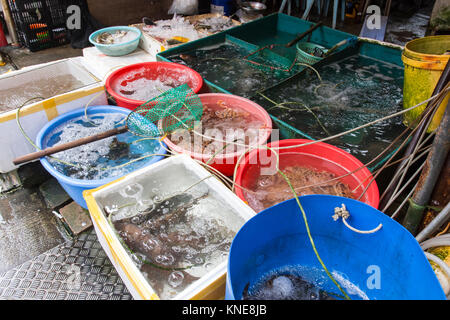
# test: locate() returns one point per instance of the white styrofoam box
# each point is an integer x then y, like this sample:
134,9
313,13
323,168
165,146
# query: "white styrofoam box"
12,80
204,32
37,76
154,46
36,114
210,286
102,65
150,44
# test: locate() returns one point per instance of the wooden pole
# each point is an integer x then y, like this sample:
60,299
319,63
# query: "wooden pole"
304,34
69,145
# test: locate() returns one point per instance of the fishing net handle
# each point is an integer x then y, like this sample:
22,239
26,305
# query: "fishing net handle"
69,145
270,47
304,34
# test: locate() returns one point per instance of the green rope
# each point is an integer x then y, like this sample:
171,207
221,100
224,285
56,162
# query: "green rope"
303,105
310,236
27,137
219,151
301,209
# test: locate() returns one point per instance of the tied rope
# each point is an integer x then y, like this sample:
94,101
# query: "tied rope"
342,212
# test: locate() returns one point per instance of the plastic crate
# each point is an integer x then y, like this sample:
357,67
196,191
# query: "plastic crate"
40,24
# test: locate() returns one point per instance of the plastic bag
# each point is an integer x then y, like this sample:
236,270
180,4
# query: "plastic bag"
186,7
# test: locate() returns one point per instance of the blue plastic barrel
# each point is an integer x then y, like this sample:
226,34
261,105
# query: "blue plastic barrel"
387,264
75,187
224,7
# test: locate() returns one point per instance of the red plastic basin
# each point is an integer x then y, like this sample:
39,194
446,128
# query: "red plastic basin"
226,163
319,156
151,71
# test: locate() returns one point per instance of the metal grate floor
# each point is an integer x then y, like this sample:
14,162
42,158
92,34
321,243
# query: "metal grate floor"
75,270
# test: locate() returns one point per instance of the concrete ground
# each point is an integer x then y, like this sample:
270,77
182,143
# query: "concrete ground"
27,227
22,57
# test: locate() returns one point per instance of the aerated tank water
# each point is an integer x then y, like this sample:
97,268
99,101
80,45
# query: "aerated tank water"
97,163
387,264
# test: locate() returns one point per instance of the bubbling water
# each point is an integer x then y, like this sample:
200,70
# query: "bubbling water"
99,159
181,236
351,92
224,66
296,282
268,190
145,89
225,130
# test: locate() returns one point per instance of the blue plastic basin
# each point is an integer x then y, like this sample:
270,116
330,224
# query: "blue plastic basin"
388,264
118,49
75,187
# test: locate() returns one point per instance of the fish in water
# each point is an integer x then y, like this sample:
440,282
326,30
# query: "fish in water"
148,22
178,279
108,38
118,149
183,59
285,287
166,208
142,233
138,240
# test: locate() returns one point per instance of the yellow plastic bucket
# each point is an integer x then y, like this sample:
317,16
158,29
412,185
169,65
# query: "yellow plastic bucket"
424,62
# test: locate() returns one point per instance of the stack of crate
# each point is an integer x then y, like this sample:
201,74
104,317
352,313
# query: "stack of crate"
40,24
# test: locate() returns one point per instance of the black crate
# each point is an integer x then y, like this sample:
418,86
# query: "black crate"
40,24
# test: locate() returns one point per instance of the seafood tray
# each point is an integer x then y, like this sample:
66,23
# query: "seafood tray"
199,23
154,45
144,275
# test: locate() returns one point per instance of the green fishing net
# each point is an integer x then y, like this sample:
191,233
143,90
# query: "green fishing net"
176,108
265,59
